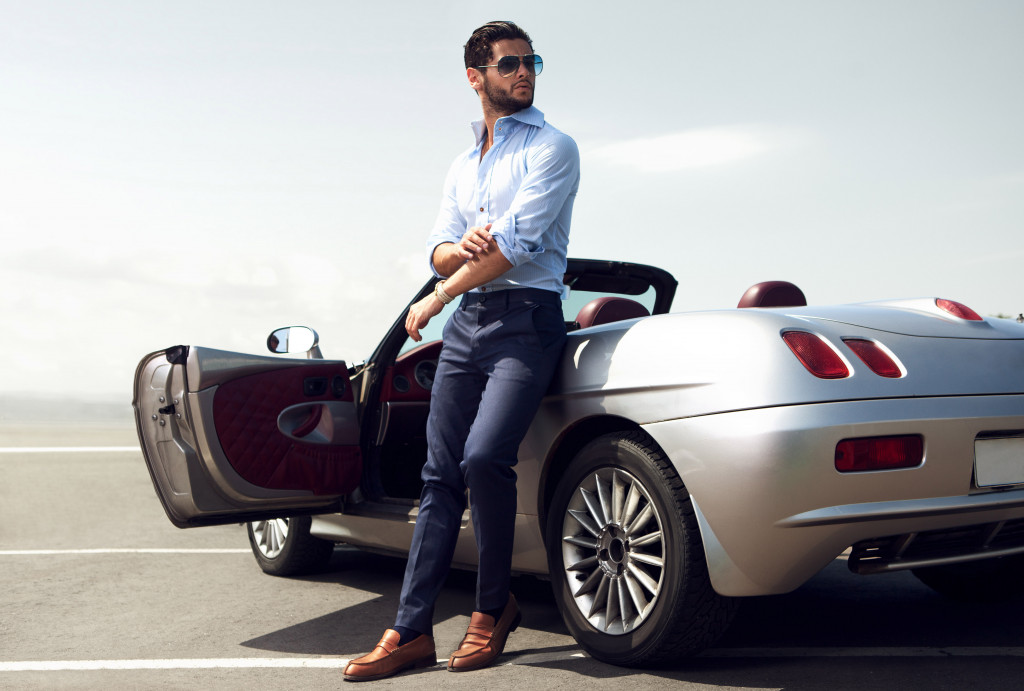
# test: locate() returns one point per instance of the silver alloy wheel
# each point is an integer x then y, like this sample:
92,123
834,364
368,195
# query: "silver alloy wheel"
270,536
612,550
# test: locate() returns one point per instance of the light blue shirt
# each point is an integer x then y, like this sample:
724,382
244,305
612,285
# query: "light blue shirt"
525,186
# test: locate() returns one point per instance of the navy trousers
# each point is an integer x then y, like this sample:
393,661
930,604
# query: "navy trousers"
499,354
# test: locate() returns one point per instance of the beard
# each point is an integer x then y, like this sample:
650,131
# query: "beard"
504,102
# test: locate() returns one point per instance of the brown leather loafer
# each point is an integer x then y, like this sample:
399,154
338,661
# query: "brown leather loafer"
485,638
388,658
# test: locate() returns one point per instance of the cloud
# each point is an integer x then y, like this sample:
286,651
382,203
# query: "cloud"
689,149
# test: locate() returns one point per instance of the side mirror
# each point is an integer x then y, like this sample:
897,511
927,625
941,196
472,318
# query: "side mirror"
295,339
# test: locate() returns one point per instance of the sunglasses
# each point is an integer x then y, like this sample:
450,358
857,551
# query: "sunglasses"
509,65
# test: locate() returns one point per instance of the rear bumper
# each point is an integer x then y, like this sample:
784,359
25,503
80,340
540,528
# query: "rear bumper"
773,510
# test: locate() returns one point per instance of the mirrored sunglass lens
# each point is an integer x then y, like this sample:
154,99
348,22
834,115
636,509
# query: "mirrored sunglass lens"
508,65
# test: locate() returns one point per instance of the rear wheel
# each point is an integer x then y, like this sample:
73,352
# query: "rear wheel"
989,580
284,547
626,559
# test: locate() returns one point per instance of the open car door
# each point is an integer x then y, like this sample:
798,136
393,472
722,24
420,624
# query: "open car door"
230,437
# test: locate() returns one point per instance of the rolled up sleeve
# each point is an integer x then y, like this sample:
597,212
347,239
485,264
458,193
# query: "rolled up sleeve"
551,180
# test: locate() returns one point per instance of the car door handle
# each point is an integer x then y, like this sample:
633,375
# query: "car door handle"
310,423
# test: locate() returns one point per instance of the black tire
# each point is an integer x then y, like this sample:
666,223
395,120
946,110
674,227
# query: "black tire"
661,601
284,547
989,580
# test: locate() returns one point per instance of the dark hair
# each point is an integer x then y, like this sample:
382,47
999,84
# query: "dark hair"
478,47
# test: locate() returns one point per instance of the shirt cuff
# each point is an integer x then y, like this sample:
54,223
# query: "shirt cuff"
515,252
430,259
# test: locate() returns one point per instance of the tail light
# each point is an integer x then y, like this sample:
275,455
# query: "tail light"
816,355
958,310
875,356
879,453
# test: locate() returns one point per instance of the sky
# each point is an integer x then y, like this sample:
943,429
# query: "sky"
202,172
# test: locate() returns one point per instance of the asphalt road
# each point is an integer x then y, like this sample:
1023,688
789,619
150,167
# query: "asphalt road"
98,590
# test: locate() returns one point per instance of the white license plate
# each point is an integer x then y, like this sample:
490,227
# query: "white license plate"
999,461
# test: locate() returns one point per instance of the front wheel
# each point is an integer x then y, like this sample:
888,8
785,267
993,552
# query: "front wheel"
626,559
284,547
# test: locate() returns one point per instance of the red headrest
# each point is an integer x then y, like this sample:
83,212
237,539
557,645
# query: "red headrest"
773,294
609,309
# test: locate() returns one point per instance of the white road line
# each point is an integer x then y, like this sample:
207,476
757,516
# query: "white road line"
50,552
339,663
214,663
908,651
67,449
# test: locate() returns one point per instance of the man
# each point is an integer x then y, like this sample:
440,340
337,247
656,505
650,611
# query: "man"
500,243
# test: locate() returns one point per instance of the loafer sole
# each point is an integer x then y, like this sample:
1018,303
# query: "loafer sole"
425,661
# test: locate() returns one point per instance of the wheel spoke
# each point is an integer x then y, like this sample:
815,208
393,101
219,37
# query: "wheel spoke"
632,501
644,558
605,500
611,607
649,583
584,520
641,520
599,597
593,505
591,582
625,602
636,593
581,541
584,565
645,539
275,535
618,497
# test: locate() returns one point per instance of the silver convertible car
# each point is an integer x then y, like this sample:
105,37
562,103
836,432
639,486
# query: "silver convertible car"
679,462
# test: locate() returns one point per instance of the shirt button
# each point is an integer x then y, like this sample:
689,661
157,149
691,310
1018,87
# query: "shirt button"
481,209
483,289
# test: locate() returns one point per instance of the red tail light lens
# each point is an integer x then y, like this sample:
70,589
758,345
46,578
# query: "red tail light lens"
875,357
958,310
879,453
816,355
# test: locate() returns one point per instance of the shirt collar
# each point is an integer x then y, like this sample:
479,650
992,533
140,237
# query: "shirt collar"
529,116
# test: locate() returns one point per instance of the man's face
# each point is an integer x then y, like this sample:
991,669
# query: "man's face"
507,95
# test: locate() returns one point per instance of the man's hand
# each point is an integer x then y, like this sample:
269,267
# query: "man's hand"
475,241
421,313
474,244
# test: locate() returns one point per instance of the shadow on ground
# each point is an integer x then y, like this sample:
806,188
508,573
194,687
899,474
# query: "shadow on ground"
837,610
380,574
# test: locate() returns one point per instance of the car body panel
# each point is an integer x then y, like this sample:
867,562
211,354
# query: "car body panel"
774,510
392,534
733,360
912,317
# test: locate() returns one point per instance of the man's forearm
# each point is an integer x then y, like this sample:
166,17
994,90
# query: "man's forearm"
483,268
446,259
